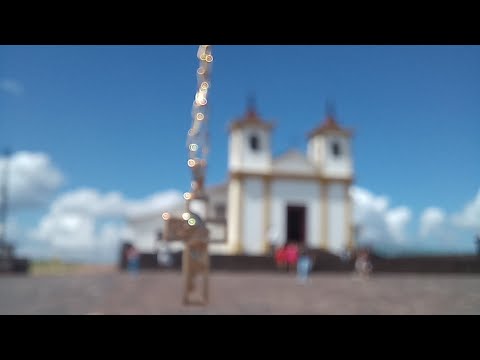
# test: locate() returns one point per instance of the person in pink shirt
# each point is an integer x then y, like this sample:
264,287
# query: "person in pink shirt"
291,254
280,258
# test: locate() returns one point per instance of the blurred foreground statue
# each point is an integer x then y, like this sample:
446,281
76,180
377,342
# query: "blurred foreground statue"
190,227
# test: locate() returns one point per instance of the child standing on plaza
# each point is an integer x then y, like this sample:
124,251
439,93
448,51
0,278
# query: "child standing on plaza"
304,266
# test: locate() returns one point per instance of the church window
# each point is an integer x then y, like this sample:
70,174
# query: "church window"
220,212
336,149
254,143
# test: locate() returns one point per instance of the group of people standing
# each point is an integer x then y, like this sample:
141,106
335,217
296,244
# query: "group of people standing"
292,256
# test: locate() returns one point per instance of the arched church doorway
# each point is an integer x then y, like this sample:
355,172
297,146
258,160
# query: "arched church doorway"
296,224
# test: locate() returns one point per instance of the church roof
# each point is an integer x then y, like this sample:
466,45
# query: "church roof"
251,119
219,188
330,126
293,161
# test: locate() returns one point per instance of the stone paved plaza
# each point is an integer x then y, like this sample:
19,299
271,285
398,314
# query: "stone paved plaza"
111,292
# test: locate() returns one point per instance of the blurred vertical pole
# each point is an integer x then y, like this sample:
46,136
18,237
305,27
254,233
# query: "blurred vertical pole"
195,256
4,199
198,136
478,244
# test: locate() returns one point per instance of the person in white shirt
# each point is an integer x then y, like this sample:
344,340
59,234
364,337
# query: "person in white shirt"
273,238
363,266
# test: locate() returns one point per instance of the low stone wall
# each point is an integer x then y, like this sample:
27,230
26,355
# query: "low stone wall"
460,264
15,265
325,262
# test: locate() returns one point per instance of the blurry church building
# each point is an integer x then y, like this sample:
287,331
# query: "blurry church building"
293,198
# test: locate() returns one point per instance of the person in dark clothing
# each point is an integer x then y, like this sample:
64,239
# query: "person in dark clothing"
478,245
133,260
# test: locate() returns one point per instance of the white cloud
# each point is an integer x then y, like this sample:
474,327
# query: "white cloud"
13,230
12,87
113,204
66,230
431,221
382,225
397,220
378,222
469,217
32,179
90,202
87,222
155,203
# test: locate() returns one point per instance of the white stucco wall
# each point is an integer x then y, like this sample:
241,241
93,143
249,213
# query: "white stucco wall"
315,150
253,217
320,153
145,232
234,150
338,166
242,157
337,236
218,232
217,197
296,193
233,235
260,160
310,151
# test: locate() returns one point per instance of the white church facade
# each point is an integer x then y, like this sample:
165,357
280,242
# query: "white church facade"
294,198
300,198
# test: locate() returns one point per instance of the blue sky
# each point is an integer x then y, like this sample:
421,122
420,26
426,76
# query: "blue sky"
114,118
